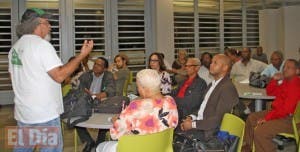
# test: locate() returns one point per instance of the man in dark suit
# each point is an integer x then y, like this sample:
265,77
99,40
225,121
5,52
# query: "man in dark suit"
100,84
189,94
220,97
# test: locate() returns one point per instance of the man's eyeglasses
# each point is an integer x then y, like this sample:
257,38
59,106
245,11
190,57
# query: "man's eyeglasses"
190,65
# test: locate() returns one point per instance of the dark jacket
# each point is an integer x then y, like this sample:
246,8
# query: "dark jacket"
223,98
192,98
108,83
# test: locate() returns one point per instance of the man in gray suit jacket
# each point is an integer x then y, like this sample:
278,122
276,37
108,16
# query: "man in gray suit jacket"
220,97
100,84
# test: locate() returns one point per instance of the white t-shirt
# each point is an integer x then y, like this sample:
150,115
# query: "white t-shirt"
205,75
38,98
241,72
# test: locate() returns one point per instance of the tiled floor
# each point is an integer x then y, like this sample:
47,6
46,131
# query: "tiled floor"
7,119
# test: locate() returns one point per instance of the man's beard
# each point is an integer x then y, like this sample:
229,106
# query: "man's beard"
48,37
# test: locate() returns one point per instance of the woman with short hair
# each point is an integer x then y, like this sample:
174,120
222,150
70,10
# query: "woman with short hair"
143,116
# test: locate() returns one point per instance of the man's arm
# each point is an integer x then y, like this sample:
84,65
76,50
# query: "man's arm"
59,74
226,101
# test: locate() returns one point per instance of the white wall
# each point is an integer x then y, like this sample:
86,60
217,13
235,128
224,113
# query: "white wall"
164,28
279,29
291,31
268,23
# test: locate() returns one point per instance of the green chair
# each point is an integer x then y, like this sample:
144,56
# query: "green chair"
295,121
234,126
66,89
156,142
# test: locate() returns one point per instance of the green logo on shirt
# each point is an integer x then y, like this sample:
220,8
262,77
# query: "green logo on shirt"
15,58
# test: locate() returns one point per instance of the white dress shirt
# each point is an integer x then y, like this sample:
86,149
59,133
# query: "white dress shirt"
204,103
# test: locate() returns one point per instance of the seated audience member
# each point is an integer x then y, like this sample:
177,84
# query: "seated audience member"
120,72
275,66
220,97
178,66
204,68
99,83
167,64
262,126
233,54
189,94
260,56
241,69
142,116
73,78
156,62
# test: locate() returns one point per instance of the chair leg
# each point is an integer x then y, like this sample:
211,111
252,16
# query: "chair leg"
75,140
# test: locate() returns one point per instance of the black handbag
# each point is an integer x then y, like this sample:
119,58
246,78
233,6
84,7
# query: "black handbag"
112,105
257,80
222,142
184,143
77,107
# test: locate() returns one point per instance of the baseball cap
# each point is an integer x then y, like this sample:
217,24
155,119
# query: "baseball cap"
33,13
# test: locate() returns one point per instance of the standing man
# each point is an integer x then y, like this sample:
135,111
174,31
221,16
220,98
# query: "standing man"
36,73
120,72
220,97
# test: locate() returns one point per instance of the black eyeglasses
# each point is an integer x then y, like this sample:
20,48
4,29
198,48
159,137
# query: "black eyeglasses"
191,65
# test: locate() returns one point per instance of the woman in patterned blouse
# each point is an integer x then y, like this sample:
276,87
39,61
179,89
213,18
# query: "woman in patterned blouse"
156,62
152,113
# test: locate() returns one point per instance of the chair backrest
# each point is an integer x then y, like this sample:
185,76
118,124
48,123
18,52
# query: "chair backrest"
127,82
156,142
296,120
234,126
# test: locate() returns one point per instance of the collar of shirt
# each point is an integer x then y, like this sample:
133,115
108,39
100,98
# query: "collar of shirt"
216,82
96,84
185,85
206,97
99,77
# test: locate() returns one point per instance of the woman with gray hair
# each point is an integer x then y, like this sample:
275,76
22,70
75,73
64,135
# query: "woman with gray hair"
142,116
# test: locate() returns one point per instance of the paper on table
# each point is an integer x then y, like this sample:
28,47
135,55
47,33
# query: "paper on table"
245,81
252,93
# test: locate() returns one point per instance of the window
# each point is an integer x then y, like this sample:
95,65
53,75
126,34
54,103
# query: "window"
233,24
209,22
5,44
184,33
253,23
131,32
51,7
89,24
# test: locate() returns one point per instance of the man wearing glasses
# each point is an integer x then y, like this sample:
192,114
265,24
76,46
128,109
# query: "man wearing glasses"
37,73
189,94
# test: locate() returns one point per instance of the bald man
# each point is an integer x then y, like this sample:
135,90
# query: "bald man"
220,97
